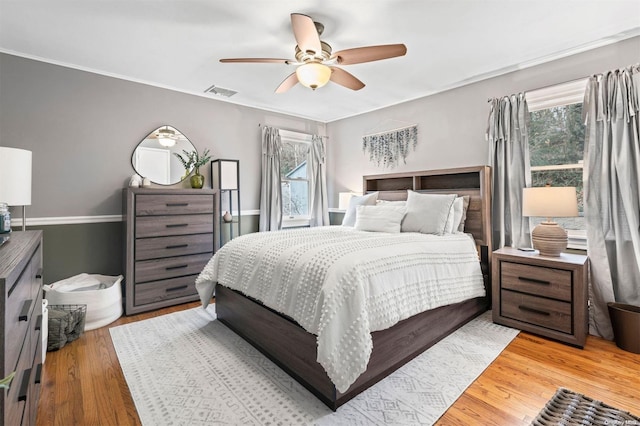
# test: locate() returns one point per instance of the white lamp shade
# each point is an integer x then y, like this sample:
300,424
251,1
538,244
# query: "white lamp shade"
344,198
15,176
550,201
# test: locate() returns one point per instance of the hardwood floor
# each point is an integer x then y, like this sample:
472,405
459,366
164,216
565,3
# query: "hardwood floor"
84,385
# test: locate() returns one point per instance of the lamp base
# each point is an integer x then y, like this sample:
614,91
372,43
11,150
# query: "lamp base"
549,238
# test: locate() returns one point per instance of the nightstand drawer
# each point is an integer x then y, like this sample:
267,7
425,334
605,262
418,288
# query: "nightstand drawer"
547,282
551,314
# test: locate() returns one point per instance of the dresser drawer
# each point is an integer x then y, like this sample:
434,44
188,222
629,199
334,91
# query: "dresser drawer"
158,291
179,245
547,282
171,267
551,314
169,204
19,310
160,226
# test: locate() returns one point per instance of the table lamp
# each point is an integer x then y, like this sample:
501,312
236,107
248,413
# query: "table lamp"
15,178
549,201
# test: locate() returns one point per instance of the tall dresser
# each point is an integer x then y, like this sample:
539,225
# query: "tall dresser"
20,323
170,235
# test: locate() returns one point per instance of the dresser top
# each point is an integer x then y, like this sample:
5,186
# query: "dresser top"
174,191
12,253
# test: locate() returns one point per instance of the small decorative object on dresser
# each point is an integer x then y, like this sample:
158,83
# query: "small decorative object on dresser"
193,160
542,295
170,235
21,310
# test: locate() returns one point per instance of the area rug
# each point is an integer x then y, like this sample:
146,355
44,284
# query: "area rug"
569,408
188,368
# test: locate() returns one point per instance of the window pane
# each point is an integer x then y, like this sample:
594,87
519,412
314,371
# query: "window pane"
293,161
556,136
295,198
286,199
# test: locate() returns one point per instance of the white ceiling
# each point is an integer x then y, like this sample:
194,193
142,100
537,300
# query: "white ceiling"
177,44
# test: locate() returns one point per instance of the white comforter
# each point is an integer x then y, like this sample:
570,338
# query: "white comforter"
341,284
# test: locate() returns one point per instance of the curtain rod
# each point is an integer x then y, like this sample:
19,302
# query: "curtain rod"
390,130
296,131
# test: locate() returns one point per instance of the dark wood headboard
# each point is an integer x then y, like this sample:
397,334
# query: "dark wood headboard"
473,181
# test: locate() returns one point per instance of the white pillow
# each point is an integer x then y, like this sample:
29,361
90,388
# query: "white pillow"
355,201
381,218
427,213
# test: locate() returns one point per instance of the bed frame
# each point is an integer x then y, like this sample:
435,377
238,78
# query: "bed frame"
293,349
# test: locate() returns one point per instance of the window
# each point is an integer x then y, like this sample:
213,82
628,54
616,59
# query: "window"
294,178
556,147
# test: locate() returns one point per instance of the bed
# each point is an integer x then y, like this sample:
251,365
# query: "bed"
299,348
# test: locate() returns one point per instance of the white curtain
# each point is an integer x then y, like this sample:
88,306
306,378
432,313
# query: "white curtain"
270,188
611,186
318,203
509,160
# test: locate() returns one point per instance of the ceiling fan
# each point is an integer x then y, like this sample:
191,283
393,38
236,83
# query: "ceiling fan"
315,61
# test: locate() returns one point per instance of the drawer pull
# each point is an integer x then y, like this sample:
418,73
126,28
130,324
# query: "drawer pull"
533,310
24,313
177,225
38,326
38,378
534,280
24,386
182,287
177,204
168,268
177,246
39,274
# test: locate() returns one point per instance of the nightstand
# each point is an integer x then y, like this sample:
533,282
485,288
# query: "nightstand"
542,295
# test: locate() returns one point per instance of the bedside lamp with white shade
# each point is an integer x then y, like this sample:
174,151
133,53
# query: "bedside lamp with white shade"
549,201
15,178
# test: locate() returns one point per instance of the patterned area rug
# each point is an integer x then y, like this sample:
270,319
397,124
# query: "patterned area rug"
187,368
569,408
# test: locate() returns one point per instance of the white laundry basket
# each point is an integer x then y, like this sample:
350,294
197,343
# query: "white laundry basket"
101,293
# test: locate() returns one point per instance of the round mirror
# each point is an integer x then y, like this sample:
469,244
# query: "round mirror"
154,156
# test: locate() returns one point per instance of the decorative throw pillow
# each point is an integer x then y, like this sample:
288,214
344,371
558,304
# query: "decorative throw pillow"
427,213
380,218
362,200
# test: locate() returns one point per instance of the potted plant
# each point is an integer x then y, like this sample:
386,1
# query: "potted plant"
193,161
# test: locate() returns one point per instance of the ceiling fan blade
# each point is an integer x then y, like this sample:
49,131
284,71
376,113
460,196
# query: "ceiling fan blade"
343,78
257,60
288,83
305,33
359,55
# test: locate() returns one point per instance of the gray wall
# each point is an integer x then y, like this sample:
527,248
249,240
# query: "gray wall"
82,129
452,124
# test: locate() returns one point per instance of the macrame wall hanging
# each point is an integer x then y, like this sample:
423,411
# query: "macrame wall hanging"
387,148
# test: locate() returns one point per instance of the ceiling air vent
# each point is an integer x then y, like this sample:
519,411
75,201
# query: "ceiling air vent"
220,91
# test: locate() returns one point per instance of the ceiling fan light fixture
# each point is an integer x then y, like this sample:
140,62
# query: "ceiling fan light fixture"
313,75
